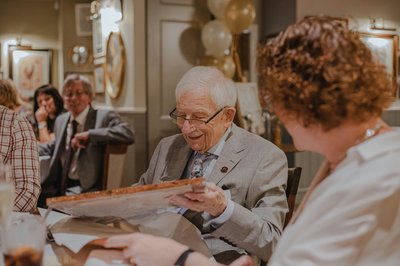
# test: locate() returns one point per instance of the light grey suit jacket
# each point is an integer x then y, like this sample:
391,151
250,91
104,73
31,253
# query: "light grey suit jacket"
256,178
104,126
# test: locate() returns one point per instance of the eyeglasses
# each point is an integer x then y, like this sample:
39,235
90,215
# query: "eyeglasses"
180,119
70,94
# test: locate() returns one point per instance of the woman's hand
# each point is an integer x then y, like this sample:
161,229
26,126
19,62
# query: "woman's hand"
142,249
41,114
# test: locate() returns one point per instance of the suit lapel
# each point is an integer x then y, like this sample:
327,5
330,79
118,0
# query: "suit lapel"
232,153
63,130
177,159
90,119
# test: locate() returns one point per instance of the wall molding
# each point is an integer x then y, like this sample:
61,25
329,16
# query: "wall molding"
123,109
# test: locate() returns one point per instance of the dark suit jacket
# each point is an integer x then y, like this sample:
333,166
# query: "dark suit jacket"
104,126
256,178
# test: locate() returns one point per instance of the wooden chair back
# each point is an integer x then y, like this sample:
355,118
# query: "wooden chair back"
114,158
291,191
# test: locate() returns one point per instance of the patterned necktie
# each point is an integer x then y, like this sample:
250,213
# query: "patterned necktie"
198,164
68,159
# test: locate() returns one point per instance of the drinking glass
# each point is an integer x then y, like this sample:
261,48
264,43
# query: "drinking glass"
24,239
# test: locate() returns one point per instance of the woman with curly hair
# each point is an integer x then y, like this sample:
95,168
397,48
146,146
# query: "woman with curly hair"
48,104
329,92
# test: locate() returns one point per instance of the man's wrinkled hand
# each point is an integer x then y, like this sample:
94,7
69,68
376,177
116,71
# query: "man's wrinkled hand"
80,140
212,200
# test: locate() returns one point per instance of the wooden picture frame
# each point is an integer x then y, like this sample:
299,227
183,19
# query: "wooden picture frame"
83,25
115,64
249,111
99,76
29,68
384,48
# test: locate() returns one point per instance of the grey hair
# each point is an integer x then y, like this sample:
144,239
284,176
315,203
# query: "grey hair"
87,86
221,89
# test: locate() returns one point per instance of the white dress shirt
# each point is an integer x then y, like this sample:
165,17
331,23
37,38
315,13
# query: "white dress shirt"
353,216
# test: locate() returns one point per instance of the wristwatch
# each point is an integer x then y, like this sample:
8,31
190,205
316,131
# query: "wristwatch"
42,125
182,258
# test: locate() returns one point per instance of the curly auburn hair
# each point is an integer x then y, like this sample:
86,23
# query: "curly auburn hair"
323,74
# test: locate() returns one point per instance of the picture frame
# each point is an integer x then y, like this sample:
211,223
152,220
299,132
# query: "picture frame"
99,40
99,76
249,111
29,68
83,25
384,48
115,64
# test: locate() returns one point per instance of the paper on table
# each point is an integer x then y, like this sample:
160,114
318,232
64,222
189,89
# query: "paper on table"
75,233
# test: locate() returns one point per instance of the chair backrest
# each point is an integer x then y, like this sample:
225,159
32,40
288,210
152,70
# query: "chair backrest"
114,158
291,191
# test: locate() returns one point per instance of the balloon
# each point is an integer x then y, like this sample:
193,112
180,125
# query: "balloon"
209,60
216,38
217,7
227,66
239,15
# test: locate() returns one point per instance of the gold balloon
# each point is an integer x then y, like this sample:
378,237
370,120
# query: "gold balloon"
227,66
239,15
209,60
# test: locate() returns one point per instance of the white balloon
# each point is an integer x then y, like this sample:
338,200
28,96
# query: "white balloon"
217,7
216,38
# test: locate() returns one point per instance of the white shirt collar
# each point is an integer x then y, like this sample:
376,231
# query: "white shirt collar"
81,118
376,146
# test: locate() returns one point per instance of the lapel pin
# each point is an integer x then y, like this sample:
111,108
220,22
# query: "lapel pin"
224,169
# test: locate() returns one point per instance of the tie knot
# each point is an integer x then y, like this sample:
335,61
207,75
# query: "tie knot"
198,163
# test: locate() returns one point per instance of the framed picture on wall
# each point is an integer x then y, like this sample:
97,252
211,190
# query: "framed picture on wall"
83,24
115,64
384,48
29,68
99,40
249,112
99,76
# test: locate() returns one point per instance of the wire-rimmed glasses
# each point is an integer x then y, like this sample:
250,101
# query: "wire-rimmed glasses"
196,122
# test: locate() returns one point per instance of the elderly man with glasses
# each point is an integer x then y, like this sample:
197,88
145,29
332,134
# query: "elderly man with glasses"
243,207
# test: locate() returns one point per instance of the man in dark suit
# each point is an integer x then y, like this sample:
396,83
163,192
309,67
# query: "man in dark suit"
244,205
77,153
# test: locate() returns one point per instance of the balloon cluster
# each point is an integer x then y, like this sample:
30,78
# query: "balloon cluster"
232,18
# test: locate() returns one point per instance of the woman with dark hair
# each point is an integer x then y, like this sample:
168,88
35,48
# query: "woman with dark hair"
48,104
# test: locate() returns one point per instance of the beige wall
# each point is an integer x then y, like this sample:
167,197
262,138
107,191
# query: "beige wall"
32,23
358,11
